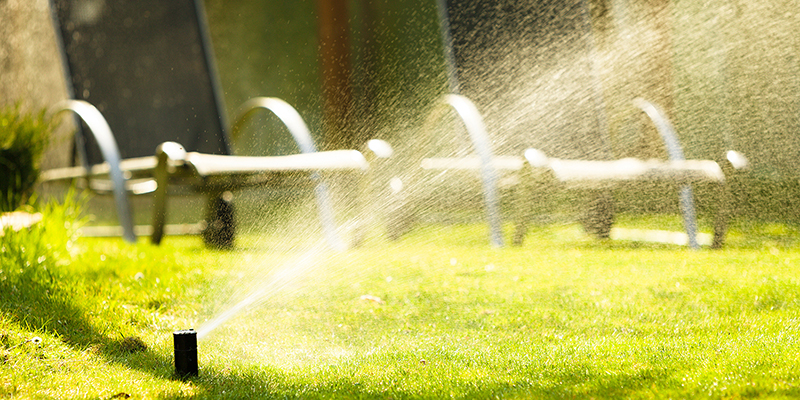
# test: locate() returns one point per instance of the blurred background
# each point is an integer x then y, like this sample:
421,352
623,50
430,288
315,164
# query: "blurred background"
556,75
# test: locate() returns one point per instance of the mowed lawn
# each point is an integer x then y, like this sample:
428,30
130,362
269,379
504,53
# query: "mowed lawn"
437,314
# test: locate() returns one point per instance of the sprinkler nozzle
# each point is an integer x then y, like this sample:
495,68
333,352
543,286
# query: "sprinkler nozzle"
185,352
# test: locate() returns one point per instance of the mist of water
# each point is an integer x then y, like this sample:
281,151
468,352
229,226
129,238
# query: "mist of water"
566,89
284,276
266,278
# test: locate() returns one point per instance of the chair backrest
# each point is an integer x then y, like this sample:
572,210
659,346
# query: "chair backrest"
147,65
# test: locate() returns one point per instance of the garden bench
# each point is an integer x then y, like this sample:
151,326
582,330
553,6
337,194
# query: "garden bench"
150,118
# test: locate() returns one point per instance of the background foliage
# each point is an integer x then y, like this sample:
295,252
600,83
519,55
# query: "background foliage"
23,139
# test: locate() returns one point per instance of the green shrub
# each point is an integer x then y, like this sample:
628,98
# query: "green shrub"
23,138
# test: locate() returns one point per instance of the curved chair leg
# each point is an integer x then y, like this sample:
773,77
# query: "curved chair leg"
722,217
600,215
733,164
675,151
522,200
472,120
399,215
166,153
160,198
220,227
533,194
689,215
520,230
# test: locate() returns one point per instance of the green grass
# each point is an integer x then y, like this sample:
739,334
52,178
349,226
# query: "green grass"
562,316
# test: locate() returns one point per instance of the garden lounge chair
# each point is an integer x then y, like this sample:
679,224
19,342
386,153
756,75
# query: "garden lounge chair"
151,120
543,175
534,177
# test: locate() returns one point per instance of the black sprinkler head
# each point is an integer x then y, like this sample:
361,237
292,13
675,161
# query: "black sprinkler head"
185,352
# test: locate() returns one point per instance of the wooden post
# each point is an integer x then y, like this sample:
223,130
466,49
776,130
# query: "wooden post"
334,48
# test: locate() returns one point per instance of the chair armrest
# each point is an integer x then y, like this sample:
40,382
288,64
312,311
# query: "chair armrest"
285,112
99,128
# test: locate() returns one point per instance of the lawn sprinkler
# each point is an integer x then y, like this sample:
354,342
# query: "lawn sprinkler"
185,352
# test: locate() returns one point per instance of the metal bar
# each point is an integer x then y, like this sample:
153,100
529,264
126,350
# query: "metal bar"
108,148
670,138
473,121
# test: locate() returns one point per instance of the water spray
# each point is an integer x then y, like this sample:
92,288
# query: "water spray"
185,342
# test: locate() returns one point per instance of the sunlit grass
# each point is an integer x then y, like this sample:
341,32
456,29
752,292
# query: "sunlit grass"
437,314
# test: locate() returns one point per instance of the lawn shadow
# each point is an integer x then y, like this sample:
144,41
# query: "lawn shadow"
41,306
